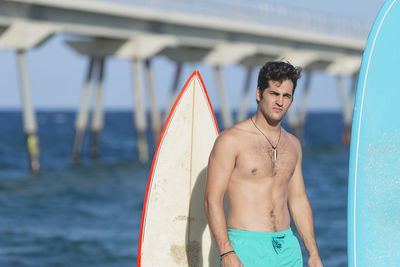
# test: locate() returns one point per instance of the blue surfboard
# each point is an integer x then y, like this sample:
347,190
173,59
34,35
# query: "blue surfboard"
374,174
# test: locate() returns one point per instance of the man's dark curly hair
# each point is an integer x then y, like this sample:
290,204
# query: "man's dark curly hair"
277,71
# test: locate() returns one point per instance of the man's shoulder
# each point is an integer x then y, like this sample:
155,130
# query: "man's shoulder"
294,140
238,130
232,135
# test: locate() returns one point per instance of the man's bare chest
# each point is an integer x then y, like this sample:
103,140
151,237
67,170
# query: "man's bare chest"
261,160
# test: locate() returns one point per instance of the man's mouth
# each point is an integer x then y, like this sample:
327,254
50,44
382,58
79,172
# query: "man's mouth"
277,109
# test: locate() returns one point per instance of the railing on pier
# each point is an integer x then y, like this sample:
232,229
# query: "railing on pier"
259,12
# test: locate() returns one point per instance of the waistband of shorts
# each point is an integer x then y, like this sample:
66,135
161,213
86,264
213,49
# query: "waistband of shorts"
253,234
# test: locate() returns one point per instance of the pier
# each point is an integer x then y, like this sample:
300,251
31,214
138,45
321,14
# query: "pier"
217,33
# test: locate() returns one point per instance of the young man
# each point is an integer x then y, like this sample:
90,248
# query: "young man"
258,164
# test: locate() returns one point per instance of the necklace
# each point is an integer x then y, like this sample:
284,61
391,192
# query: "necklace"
273,147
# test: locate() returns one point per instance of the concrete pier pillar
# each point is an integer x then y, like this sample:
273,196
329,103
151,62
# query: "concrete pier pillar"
304,104
154,110
347,100
174,89
354,78
139,113
297,120
242,112
292,118
28,115
98,114
83,114
224,106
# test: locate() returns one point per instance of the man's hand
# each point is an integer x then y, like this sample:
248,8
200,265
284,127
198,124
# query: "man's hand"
231,260
314,261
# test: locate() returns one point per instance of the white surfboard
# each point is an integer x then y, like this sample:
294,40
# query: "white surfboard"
174,230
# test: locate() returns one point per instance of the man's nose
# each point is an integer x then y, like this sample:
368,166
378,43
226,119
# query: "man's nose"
279,101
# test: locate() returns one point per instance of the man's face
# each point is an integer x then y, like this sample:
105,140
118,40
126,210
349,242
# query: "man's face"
276,99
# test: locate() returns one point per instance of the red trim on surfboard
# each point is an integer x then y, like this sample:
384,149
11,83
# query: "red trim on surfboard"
195,73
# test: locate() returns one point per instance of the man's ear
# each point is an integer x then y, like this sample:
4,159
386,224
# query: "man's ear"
258,94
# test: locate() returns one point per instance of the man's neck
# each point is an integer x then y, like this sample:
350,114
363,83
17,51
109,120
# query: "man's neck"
265,125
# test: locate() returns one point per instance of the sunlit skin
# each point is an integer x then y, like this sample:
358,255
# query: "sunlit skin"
262,193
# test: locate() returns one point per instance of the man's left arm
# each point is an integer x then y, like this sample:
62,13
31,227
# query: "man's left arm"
301,212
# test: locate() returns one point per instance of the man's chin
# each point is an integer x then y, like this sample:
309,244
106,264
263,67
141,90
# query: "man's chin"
275,120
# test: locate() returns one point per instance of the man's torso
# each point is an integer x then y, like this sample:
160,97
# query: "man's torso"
258,185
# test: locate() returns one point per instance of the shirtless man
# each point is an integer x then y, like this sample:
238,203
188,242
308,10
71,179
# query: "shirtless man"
258,164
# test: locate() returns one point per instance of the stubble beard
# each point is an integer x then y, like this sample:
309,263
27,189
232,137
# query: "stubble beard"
273,118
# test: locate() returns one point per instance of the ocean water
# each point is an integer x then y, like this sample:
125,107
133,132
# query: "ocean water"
89,214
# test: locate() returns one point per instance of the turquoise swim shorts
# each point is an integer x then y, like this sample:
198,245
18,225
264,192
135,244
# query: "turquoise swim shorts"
265,249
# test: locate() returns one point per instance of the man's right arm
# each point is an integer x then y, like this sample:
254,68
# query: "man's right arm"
220,166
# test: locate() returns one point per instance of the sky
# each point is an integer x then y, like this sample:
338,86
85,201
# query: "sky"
57,73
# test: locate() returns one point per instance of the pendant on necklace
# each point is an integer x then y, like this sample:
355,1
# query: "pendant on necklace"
275,154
